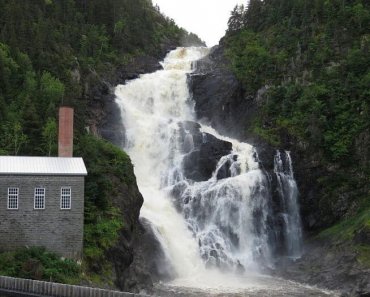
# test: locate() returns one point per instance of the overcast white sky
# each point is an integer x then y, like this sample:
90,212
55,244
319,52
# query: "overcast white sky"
207,18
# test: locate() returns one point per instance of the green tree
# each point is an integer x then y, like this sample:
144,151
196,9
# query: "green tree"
31,126
51,93
13,137
49,137
236,20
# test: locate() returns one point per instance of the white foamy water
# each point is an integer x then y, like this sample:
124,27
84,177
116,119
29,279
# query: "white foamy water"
151,108
208,227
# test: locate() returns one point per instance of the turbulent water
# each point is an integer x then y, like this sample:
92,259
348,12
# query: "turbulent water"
215,232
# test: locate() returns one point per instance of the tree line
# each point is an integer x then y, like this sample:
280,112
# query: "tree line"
311,58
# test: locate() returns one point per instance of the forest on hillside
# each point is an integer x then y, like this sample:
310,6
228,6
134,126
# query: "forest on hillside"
53,53
50,51
311,61
315,58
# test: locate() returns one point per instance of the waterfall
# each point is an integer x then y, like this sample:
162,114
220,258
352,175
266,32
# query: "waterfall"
288,192
151,107
204,193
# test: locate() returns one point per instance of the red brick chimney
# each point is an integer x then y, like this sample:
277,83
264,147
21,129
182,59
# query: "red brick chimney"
65,139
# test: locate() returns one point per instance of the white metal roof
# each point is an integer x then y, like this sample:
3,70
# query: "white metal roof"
41,166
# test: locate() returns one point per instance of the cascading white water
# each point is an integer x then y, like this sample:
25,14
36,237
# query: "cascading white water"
288,191
219,222
151,108
228,215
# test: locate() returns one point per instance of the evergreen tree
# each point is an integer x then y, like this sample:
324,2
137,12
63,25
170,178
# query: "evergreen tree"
236,20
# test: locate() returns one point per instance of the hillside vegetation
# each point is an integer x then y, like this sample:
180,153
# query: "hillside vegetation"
51,53
310,62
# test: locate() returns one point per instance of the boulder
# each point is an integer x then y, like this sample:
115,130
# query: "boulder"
201,161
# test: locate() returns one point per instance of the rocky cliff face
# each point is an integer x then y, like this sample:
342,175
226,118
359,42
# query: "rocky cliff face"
221,101
219,98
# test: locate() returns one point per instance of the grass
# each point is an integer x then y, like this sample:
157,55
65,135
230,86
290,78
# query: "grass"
345,230
363,254
39,264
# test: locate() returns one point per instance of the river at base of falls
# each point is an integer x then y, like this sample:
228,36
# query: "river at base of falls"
252,285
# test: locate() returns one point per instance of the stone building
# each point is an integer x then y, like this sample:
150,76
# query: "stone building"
42,198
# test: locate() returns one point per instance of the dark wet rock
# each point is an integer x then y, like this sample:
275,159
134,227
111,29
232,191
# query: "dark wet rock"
147,265
177,192
199,164
204,152
224,171
124,253
218,96
362,236
328,264
189,128
139,65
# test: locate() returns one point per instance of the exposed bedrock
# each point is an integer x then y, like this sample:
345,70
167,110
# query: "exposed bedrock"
219,98
140,261
203,151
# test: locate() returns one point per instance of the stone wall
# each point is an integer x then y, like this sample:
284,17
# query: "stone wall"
60,231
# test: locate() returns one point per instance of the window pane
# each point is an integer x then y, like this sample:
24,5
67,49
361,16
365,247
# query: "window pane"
39,198
13,198
65,198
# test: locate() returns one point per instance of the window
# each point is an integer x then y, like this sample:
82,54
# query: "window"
65,198
39,201
13,198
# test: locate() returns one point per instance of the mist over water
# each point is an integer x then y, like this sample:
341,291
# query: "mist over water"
213,232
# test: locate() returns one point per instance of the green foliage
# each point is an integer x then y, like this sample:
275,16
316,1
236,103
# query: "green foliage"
49,137
100,234
103,160
49,50
251,61
363,255
13,138
37,263
51,93
313,57
108,167
346,229
318,85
